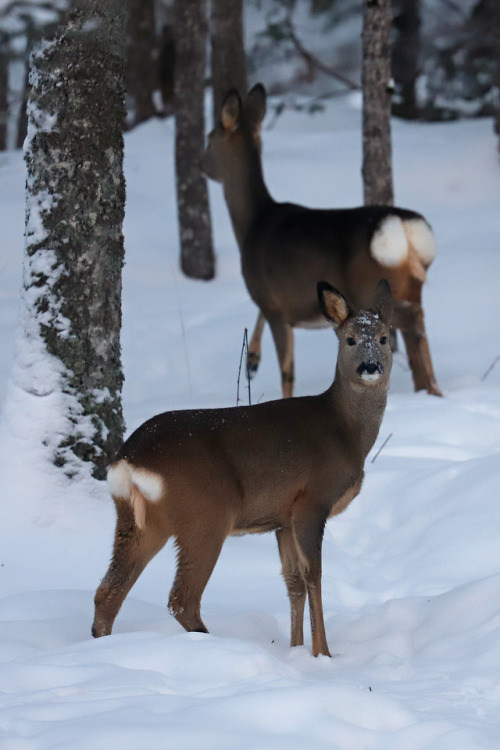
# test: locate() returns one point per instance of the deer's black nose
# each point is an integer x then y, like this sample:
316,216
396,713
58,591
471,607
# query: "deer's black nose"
368,369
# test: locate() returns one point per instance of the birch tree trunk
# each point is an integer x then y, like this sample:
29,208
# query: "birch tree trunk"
195,229
69,346
229,68
377,94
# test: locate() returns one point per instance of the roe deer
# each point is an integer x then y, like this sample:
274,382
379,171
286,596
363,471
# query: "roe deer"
285,247
283,466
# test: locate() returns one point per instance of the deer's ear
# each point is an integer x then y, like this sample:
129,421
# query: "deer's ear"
333,304
255,107
231,110
382,302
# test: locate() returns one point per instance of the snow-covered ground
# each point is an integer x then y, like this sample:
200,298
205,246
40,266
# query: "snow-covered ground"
411,569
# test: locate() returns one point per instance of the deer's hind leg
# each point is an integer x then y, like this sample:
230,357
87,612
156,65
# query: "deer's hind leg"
409,318
133,549
198,551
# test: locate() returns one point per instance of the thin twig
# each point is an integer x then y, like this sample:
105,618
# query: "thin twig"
312,60
490,368
183,331
244,350
381,447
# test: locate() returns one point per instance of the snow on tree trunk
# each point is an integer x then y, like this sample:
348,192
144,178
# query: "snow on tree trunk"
68,350
197,256
228,50
377,94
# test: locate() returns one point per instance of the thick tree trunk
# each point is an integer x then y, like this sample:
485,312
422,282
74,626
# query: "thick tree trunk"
74,241
228,50
405,58
197,256
142,79
377,94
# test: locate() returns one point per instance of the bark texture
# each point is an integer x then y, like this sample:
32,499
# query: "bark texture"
405,58
229,68
166,68
75,208
142,79
377,95
22,124
4,91
197,256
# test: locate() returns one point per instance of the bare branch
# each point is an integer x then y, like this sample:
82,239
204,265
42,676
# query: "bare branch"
312,60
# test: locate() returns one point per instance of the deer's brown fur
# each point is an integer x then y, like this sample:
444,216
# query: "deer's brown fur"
286,247
283,466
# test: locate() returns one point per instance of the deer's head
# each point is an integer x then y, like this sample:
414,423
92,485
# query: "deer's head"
238,129
364,356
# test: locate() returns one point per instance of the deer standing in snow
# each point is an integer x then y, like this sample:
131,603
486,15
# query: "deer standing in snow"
285,248
283,466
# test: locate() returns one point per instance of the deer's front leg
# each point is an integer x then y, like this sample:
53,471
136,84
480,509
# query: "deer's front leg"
308,528
295,583
254,347
283,341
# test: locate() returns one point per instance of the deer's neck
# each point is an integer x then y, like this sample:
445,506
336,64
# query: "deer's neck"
361,410
246,193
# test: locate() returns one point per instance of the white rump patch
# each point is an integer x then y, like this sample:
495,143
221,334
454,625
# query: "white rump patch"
149,484
119,481
421,237
135,485
389,245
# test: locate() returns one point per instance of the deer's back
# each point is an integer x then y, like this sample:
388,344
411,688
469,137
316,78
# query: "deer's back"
290,247
249,462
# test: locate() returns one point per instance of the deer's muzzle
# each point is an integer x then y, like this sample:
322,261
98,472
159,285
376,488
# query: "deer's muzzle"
370,371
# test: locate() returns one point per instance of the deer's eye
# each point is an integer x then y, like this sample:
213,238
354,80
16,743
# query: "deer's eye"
350,341
383,340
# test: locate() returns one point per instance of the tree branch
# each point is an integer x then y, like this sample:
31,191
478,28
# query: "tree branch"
311,59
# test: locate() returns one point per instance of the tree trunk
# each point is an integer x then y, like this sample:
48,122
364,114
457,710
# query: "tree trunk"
142,79
4,91
197,256
22,123
497,108
166,68
377,94
71,316
405,58
228,50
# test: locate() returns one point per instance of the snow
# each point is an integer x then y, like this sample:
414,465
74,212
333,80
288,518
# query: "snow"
411,569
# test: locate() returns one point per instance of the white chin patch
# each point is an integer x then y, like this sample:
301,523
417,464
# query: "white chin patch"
370,377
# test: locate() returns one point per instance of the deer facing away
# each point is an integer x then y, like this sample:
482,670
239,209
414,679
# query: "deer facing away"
283,466
285,248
